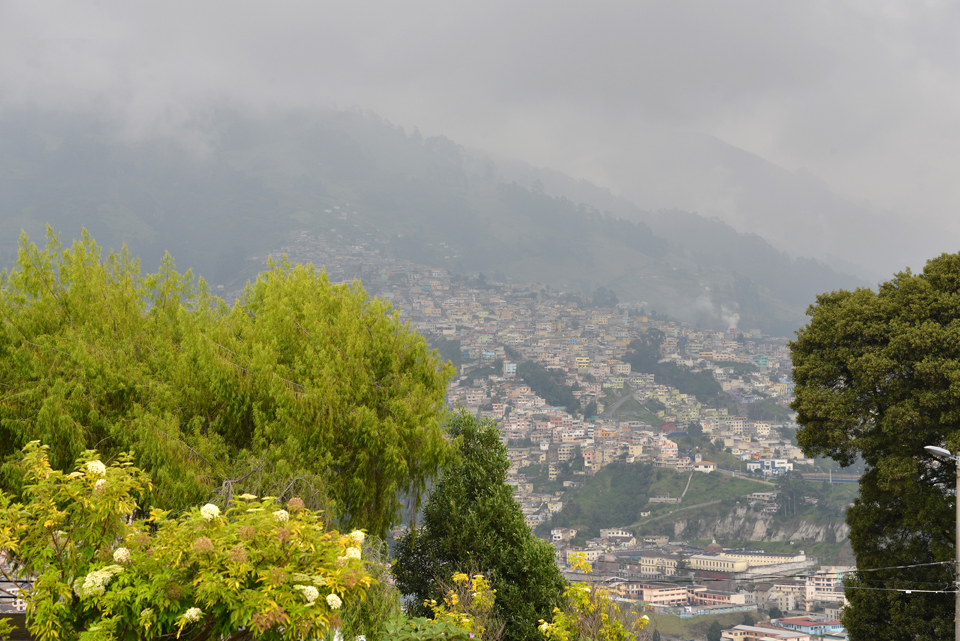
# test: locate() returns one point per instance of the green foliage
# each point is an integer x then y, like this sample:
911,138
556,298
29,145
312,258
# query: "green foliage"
494,369
590,410
370,616
878,376
100,574
714,632
423,629
590,615
793,490
302,386
471,522
548,385
643,354
775,613
613,497
604,297
468,603
449,350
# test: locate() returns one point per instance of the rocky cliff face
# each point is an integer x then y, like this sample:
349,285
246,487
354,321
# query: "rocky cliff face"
744,524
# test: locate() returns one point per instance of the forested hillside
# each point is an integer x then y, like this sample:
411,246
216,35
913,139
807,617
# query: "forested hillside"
238,186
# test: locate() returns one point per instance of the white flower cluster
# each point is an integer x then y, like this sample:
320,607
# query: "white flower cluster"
95,583
121,555
96,468
334,601
357,537
352,553
282,516
310,593
193,615
99,486
209,512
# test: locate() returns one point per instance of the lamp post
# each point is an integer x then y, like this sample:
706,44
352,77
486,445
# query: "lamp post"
947,454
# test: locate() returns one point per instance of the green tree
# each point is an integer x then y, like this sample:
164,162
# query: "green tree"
471,523
878,376
302,386
714,632
793,490
775,613
604,297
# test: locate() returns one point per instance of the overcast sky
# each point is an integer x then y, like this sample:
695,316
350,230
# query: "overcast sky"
865,95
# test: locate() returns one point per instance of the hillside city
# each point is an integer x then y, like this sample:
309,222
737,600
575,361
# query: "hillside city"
490,328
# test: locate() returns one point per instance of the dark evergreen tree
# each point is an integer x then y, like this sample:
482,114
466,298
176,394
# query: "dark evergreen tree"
472,523
714,632
878,376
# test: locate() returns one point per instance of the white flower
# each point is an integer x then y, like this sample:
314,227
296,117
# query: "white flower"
352,553
209,512
193,615
99,485
146,612
96,468
334,601
247,497
95,583
544,627
310,593
357,537
121,555
282,516
75,475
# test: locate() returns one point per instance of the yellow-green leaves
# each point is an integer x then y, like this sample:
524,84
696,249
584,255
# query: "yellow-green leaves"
302,387
101,573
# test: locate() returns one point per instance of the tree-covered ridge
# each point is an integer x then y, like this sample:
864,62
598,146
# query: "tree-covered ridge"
302,386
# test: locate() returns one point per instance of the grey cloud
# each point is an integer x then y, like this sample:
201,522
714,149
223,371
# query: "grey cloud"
861,94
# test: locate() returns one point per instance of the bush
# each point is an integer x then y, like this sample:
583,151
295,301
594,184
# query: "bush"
101,574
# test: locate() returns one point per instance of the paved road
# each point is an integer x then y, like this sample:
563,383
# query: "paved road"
679,509
744,477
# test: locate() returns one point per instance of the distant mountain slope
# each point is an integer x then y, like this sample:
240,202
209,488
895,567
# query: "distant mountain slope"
794,212
251,182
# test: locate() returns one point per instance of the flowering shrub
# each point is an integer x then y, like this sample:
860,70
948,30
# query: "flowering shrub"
591,614
102,575
468,604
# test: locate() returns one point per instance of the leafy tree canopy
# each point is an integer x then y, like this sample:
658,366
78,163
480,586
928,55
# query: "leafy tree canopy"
878,375
301,386
472,524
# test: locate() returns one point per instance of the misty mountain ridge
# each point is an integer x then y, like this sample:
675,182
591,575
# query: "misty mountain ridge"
796,212
361,179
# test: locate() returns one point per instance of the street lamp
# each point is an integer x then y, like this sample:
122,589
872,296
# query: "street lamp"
948,455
